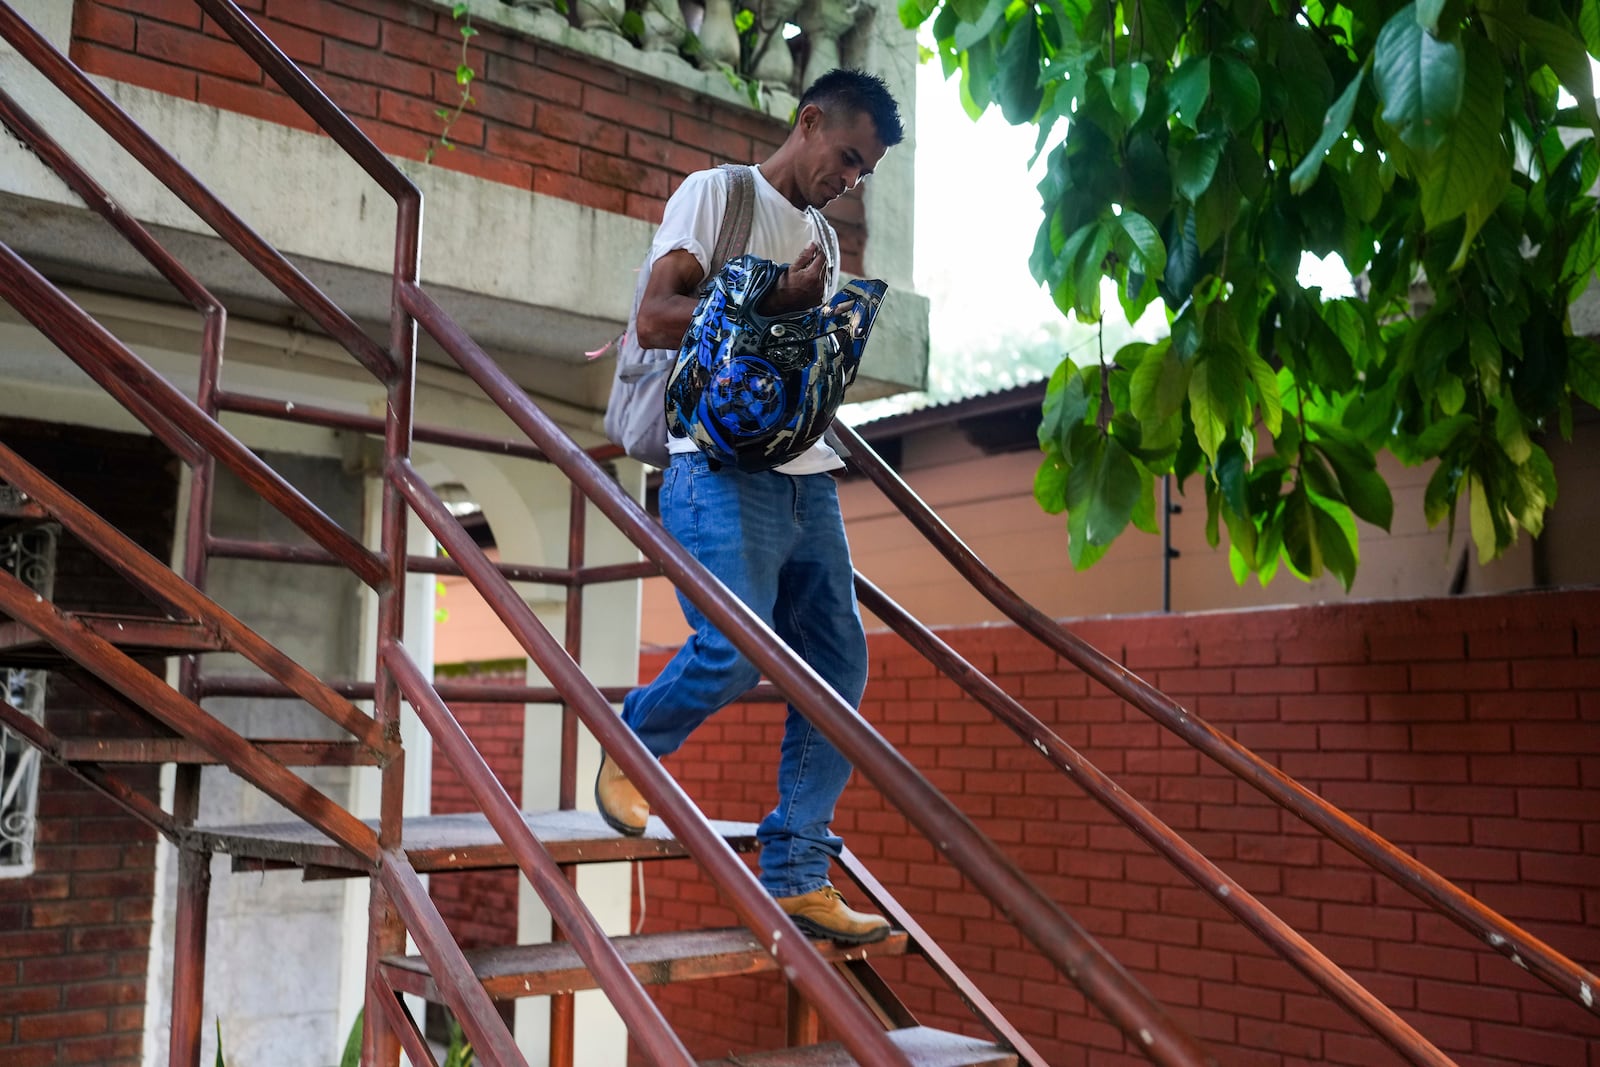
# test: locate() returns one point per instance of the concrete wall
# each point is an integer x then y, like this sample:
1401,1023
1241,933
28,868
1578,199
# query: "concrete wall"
1465,730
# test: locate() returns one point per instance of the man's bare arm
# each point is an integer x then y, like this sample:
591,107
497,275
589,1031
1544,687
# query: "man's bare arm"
673,291
669,300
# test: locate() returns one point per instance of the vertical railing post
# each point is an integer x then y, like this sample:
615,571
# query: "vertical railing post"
801,1024
576,534
189,955
194,871
386,934
563,1021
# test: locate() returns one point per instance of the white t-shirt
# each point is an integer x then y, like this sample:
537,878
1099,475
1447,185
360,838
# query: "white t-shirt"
779,232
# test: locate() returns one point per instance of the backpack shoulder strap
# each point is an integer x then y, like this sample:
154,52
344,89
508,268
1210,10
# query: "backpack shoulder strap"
828,241
736,217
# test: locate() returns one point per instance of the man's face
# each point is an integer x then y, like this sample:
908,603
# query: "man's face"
840,150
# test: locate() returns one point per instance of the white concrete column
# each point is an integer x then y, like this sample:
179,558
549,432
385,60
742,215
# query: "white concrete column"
366,783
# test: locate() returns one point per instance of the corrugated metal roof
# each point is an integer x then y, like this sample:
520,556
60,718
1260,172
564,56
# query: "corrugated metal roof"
1008,399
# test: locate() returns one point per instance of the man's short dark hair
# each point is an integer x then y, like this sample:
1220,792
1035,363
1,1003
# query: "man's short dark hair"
857,91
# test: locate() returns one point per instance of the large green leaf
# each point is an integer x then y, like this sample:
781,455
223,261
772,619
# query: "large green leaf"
914,13
1510,431
1144,509
1336,537
1421,83
1183,259
1159,384
1196,166
1050,484
1087,270
1017,88
1216,396
1441,435
1470,171
1128,86
1360,484
1265,380
977,75
1147,244
1160,24
1218,209
1236,90
1300,73
1189,88
1482,512
1300,542
1333,126
1102,489
1075,276
352,1044
1065,404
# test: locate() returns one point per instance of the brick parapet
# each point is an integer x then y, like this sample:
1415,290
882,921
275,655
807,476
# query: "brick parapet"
1466,730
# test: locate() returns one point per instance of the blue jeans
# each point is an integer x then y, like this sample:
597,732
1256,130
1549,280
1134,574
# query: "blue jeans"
777,542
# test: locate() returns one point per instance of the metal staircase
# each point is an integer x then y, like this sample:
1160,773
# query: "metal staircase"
826,983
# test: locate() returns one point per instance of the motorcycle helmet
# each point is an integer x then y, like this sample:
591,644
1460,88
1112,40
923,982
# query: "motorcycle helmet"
754,391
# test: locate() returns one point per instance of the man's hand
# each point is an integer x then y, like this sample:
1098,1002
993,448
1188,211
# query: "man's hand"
801,285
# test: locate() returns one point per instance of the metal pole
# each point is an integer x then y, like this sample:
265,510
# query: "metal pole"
1166,543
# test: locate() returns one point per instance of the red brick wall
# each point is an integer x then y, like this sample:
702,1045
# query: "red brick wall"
481,907
1467,731
75,935
544,119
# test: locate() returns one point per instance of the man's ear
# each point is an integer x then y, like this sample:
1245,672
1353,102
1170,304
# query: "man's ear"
810,119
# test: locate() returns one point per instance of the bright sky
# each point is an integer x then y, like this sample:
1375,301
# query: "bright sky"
977,212
976,215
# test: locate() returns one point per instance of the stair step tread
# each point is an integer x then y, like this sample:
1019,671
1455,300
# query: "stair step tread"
923,1046
141,750
462,842
136,635
18,511
657,959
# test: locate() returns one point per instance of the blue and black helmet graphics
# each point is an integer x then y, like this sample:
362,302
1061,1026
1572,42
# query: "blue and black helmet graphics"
754,391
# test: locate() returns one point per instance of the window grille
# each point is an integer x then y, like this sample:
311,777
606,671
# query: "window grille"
29,553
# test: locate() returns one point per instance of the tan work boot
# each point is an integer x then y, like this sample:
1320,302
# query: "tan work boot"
620,804
823,913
